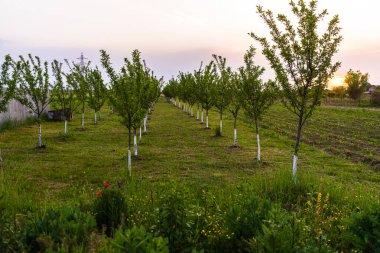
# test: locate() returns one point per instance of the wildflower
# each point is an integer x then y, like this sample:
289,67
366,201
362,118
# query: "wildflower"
99,194
106,184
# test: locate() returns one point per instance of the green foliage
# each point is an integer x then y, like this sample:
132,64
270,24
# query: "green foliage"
173,221
136,240
301,57
356,82
63,96
110,210
187,88
222,86
133,89
244,220
7,83
256,96
97,90
205,79
33,84
64,228
364,230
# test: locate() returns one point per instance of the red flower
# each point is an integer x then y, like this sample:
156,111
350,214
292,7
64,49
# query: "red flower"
99,194
106,184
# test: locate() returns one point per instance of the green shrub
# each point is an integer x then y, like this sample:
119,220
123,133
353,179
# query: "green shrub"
64,229
110,210
136,240
364,230
244,220
173,221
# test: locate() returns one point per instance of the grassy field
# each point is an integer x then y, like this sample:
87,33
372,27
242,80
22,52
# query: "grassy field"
178,147
179,150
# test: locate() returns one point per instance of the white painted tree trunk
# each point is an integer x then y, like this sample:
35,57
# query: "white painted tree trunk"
258,148
150,110
140,137
235,136
65,126
39,135
206,121
95,118
129,163
83,120
145,120
135,143
197,114
295,159
202,117
221,126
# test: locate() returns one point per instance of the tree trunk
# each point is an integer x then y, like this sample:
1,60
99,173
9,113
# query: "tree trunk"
82,120
39,135
258,141
65,126
296,147
202,116
197,114
145,120
135,142
235,132
95,122
140,138
100,116
206,118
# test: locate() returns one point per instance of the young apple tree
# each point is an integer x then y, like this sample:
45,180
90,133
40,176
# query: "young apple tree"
97,91
256,96
235,103
301,58
205,79
78,79
33,87
126,92
222,87
188,90
62,96
7,83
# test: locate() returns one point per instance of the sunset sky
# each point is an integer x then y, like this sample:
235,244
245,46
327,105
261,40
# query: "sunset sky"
172,35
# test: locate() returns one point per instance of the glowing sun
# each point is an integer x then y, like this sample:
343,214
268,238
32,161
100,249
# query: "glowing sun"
335,82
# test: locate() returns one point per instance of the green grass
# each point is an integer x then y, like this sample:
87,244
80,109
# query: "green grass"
347,132
177,147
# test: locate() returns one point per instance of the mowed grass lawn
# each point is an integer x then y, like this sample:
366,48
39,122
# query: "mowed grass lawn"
177,147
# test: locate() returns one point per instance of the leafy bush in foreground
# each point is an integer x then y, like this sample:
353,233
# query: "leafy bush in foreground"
136,240
110,209
63,228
